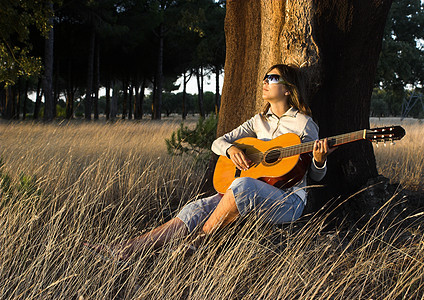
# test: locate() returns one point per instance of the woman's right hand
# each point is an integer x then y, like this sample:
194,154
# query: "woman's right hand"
238,157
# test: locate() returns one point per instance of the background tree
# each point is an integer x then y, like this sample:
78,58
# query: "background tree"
49,101
16,19
206,19
401,63
336,44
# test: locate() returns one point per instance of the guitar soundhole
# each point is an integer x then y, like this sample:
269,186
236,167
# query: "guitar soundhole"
272,156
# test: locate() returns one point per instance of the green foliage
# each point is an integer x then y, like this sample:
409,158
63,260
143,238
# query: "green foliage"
401,63
379,108
16,19
60,111
15,62
386,102
402,55
26,186
195,142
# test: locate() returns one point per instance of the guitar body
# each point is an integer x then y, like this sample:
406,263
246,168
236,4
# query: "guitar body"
268,163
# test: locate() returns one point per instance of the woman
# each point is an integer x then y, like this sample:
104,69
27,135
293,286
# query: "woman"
284,112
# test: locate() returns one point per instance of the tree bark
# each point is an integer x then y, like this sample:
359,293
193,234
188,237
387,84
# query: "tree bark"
199,77
17,93
336,44
56,88
96,81
184,112
70,95
130,97
141,100
9,105
48,74
90,71
136,98
24,108
37,105
153,98
114,101
107,112
157,107
125,100
217,96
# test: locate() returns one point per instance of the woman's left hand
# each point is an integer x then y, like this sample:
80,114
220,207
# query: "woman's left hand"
320,151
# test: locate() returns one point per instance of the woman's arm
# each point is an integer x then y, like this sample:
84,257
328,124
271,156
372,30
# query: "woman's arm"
224,144
320,151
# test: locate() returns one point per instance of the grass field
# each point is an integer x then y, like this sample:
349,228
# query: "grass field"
62,184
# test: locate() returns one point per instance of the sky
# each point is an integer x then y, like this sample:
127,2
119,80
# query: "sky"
208,85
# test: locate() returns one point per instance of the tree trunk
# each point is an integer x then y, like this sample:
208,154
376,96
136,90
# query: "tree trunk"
9,105
136,99
130,96
125,100
37,105
2,99
97,81
114,101
48,74
153,98
184,112
199,77
24,108
17,93
107,112
336,44
159,76
140,99
69,102
90,71
56,88
217,98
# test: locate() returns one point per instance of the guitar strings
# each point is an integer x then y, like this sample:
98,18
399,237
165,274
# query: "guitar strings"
284,152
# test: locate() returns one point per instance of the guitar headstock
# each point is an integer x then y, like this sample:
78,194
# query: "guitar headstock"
384,134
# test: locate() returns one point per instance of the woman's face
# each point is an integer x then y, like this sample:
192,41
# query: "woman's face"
276,91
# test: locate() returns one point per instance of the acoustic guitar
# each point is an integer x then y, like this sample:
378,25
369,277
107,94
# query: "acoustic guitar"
283,161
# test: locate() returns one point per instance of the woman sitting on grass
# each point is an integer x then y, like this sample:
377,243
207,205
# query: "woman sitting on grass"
284,112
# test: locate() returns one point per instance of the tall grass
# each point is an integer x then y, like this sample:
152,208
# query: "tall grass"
402,162
78,182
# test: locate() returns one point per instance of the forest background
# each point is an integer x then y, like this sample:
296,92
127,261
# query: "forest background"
64,52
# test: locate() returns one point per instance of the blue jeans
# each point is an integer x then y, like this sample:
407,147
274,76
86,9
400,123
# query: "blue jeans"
271,204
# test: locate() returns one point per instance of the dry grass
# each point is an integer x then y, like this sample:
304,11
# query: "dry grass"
404,161
105,183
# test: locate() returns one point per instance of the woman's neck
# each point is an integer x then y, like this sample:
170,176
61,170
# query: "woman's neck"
280,108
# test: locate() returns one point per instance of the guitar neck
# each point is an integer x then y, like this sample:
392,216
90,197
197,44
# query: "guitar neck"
332,142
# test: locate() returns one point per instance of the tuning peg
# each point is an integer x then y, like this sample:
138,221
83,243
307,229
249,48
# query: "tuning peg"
376,144
392,143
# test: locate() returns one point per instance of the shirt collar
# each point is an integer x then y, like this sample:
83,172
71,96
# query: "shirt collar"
291,112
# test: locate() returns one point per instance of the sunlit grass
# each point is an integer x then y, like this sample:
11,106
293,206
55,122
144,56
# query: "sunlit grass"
109,182
404,161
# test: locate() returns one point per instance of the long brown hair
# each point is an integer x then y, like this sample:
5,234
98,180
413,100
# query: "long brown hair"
290,75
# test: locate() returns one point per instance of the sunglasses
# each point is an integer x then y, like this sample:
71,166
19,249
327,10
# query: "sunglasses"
274,78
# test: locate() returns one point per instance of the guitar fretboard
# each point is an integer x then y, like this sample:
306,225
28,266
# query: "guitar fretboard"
332,141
